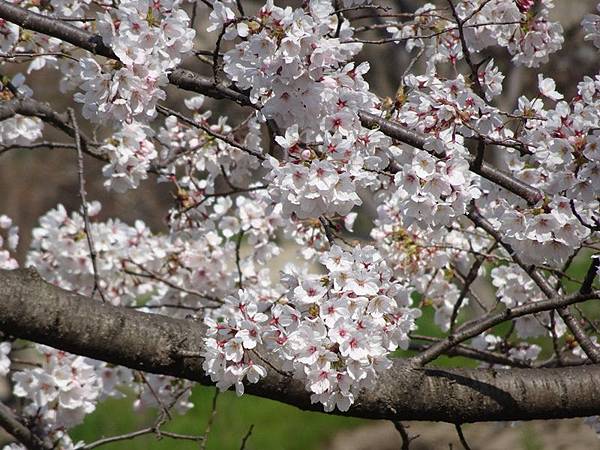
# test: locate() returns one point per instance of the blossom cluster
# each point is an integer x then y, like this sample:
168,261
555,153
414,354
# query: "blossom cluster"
303,79
202,156
195,261
60,392
149,38
562,160
19,129
334,320
524,30
334,332
130,152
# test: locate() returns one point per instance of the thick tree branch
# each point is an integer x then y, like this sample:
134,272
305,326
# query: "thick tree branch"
52,26
33,309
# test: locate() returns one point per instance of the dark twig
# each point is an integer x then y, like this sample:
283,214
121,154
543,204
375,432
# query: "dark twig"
327,229
478,326
84,208
167,111
142,432
238,245
466,53
461,436
468,281
592,352
162,406
468,352
246,436
33,108
240,7
151,275
590,276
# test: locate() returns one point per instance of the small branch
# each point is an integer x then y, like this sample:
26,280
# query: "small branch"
461,436
466,53
469,352
240,7
167,111
590,276
38,145
33,108
14,425
51,26
120,437
216,52
84,208
161,405
591,351
469,279
211,418
327,229
238,245
478,326
36,55
148,274
592,228
415,139
478,161
245,438
142,432
406,439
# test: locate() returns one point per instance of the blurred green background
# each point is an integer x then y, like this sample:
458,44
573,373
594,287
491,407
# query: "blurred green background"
274,424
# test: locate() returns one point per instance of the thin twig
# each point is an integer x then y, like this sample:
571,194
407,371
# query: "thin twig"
84,207
211,418
164,409
142,432
167,111
245,438
238,245
328,234
149,274
469,279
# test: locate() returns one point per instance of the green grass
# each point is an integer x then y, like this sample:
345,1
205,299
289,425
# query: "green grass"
276,426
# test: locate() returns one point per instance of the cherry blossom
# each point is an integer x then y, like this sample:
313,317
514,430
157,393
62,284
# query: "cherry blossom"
461,219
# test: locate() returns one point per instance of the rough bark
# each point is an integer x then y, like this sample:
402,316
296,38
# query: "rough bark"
35,310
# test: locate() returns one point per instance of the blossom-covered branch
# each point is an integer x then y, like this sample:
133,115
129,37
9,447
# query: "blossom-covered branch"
33,309
468,212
